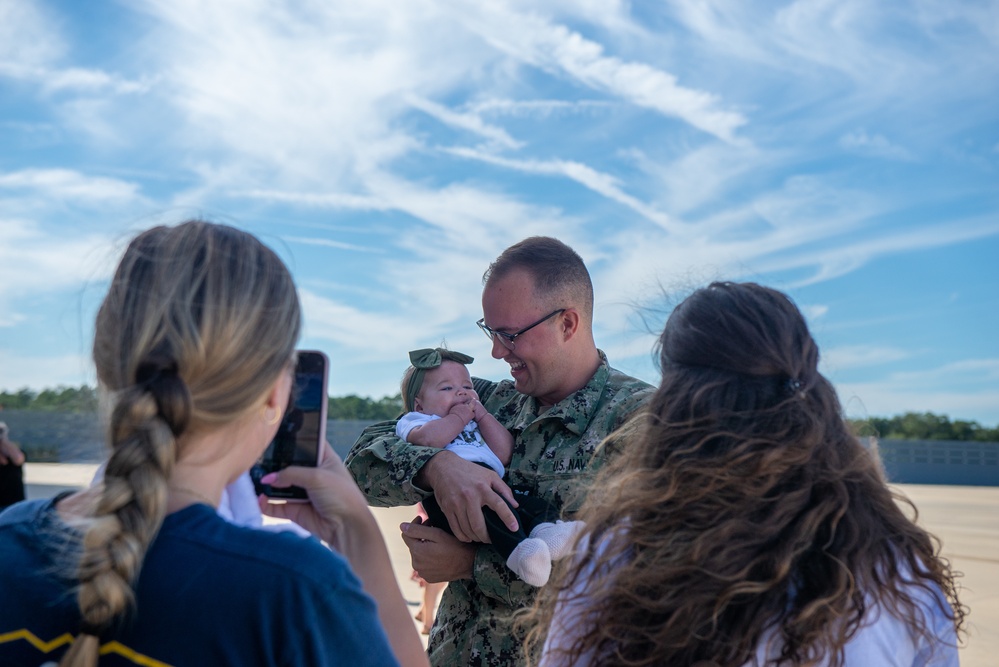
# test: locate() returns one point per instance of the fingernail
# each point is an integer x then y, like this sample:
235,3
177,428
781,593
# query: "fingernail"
268,478
404,527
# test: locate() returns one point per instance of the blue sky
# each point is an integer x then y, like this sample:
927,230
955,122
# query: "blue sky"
846,152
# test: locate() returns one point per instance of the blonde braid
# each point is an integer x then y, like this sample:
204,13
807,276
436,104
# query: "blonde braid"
172,346
131,507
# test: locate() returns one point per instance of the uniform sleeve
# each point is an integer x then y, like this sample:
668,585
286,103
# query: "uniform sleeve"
383,465
618,423
484,388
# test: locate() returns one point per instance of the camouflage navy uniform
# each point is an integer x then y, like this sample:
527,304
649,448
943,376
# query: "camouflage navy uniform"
552,455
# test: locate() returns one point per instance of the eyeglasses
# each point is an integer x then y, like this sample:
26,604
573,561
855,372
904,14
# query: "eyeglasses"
507,339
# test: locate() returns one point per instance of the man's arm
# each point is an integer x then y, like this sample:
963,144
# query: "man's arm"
462,489
384,465
438,556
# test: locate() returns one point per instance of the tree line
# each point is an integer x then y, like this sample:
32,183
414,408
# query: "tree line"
84,399
924,426
908,426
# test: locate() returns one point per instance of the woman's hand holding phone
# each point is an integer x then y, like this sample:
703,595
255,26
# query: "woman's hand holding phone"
335,508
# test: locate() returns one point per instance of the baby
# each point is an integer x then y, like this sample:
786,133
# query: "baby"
444,411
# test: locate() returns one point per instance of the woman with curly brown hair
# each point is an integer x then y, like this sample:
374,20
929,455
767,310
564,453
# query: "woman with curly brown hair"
742,523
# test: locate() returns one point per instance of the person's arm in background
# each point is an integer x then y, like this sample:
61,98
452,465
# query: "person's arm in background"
9,452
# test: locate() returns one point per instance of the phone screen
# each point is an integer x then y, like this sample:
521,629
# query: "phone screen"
302,430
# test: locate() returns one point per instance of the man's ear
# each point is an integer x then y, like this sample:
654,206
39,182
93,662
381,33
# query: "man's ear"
569,323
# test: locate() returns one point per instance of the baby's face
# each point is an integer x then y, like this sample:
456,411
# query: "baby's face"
443,387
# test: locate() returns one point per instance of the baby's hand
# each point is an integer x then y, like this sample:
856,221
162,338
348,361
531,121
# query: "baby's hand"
464,411
478,410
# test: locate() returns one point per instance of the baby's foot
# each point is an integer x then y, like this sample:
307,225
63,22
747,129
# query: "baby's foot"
531,561
559,536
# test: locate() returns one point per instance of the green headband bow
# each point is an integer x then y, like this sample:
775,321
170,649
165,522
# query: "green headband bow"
427,359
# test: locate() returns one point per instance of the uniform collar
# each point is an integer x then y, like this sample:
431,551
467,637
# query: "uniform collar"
576,410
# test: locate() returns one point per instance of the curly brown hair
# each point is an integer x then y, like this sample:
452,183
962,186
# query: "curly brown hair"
741,508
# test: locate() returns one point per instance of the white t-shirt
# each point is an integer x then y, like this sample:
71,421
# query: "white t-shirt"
883,640
469,444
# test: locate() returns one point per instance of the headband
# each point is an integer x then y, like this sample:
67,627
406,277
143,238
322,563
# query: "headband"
427,359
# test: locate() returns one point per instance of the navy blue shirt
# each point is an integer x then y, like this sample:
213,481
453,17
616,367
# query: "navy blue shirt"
209,593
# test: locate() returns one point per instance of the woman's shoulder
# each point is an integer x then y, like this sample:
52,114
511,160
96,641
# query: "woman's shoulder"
886,638
197,532
26,510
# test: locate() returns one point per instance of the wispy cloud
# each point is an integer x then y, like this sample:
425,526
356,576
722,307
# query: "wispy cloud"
548,44
32,48
73,79
848,256
466,121
44,371
959,390
601,183
875,145
27,35
330,243
392,150
814,311
315,199
842,358
69,184
544,108
36,262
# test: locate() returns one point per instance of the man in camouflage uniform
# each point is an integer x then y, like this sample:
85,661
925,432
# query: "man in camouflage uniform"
564,400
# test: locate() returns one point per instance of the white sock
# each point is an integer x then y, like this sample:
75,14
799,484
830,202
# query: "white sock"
559,536
531,561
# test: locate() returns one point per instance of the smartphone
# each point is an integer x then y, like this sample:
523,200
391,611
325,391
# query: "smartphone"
302,432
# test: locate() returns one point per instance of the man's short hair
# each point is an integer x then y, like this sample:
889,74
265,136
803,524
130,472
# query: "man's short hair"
560,277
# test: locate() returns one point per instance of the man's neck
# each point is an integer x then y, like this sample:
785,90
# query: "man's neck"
582,374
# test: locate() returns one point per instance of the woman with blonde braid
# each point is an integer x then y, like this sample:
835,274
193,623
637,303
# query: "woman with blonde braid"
742,524
194,347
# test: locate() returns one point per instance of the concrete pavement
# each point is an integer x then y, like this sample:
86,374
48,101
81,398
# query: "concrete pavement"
965,518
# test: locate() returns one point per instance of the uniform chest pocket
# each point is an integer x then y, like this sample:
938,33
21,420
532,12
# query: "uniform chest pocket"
563,482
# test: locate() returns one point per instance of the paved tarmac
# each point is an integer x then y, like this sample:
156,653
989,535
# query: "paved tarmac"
965,518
